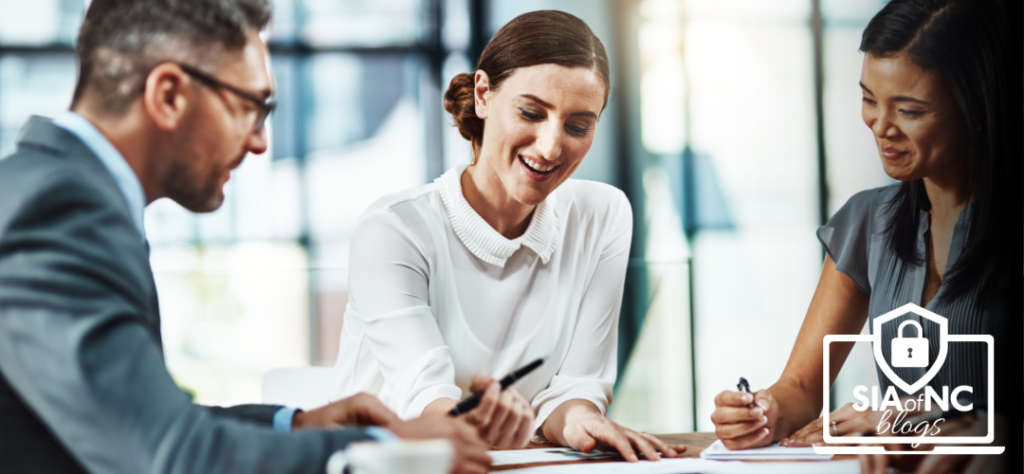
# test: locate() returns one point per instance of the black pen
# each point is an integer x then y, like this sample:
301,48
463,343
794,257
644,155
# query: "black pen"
473,400
743,386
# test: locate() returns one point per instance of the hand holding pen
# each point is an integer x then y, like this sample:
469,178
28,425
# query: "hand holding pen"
743,419
503,417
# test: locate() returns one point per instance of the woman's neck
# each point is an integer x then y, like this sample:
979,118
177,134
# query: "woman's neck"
486,194
948,193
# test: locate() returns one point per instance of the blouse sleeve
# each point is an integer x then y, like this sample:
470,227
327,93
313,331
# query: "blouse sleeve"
388,290
846,237
589,369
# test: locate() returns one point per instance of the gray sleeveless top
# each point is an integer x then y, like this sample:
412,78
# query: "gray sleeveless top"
855,239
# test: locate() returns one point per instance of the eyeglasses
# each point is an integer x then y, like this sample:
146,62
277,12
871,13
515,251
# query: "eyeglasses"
263,106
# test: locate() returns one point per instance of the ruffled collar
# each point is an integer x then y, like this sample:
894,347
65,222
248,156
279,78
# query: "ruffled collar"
481,239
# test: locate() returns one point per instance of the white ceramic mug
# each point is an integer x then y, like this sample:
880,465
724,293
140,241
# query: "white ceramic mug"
402,457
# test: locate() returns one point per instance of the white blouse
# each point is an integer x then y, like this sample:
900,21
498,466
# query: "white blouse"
437,295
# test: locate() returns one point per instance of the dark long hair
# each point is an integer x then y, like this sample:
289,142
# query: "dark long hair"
962,42
538,37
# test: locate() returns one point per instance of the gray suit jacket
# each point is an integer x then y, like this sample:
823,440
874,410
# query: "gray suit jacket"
83,385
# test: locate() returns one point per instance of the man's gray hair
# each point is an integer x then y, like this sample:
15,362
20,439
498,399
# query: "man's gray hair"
122,40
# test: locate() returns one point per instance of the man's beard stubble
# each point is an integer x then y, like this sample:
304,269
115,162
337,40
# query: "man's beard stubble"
184,181
185,186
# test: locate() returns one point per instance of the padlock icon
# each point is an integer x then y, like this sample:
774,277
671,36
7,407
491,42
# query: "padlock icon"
907,351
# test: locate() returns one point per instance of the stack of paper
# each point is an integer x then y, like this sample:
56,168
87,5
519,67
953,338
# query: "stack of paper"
530,456
710,464
693,465
718,452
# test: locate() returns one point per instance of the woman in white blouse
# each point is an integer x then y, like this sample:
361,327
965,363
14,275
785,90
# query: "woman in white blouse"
496,264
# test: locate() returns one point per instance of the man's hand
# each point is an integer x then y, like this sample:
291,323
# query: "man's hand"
470,451
361,409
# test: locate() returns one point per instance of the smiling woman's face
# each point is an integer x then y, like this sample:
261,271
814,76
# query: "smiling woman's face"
538,127
915,120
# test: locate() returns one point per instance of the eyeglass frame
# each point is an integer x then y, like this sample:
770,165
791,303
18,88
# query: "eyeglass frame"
263,106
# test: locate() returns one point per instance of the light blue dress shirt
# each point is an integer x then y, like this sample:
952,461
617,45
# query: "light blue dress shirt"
131,188
123,174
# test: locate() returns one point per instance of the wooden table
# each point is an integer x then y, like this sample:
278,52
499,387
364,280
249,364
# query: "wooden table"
695,443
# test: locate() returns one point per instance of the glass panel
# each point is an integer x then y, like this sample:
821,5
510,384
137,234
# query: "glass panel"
168,223
663,78
455,33
752,118
854,13
755,11
655,391
362,23
365,135
32,84
853,164
457,150
231,313
40,22
284,25
853,161
336,115
365,132
285,122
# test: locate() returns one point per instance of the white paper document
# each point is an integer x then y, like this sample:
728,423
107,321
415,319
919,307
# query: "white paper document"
718,452
527,456
694,466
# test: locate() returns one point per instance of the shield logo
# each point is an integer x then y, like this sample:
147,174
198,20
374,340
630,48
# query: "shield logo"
940,358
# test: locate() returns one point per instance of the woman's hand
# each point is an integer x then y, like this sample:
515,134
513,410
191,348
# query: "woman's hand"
939,463
847,422
738,425
504,418
580,425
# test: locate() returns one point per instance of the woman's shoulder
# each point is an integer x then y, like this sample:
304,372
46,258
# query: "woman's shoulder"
870,202
411,207
591,197
865,214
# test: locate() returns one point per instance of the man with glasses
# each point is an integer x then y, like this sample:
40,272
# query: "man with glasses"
171,96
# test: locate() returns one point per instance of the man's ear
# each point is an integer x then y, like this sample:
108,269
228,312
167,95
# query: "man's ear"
165,99
481,93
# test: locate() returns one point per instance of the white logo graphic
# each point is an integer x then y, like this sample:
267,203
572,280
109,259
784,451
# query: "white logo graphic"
910,350
900,342
903,348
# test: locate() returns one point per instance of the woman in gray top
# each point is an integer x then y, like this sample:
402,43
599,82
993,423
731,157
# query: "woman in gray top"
932,80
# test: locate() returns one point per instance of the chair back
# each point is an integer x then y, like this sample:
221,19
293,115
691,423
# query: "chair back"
299,387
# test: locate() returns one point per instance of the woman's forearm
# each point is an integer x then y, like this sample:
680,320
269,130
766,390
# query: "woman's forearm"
441,406
838,307
797,407
554,427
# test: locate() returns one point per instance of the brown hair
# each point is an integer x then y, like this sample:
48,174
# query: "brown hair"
122,40
540,37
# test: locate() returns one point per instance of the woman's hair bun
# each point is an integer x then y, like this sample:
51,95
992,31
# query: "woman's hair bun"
458,101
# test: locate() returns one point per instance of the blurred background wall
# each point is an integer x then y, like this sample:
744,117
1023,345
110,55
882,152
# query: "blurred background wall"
734,127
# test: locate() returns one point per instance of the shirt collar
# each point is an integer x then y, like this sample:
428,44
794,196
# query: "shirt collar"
116,165
481,239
